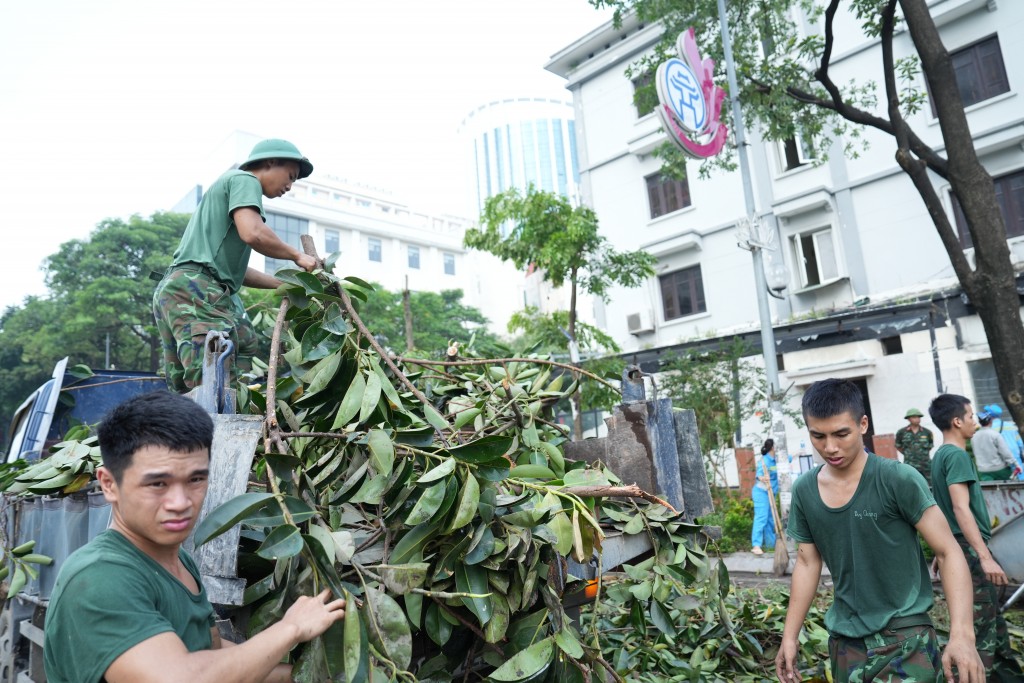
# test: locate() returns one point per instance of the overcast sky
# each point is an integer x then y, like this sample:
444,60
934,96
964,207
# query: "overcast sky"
107,107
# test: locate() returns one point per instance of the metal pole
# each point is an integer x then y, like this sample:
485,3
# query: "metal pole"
771,366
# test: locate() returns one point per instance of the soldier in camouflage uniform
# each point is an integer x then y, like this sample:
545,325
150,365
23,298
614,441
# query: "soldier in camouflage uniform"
958,493
199,292
861,515
915,443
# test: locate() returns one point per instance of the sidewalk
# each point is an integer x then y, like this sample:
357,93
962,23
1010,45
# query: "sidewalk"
749,563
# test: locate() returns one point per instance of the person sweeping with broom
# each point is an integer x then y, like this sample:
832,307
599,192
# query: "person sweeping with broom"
762,535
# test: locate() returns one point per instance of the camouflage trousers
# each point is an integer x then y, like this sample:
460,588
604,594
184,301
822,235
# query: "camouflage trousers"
187,304
908,654
921,463
990,634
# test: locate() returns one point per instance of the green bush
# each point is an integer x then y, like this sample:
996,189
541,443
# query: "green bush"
735,515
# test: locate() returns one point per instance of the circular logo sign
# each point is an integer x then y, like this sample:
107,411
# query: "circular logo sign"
679,88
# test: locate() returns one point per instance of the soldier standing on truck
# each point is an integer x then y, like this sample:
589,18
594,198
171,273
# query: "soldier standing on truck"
199,292
130,606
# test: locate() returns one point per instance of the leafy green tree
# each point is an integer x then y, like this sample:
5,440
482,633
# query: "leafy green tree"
99,292
437,318
564,242
787,87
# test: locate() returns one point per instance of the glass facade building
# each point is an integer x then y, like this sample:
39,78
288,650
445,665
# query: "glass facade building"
519,142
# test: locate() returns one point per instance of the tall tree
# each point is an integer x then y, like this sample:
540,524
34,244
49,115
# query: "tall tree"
787,87
564,242
99,292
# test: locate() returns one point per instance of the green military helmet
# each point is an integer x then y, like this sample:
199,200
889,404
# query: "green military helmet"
278,149
913,412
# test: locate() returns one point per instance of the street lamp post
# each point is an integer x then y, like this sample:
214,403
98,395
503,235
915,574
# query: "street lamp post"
756,243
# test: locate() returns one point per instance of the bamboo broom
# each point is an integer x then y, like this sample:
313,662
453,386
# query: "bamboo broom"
781,562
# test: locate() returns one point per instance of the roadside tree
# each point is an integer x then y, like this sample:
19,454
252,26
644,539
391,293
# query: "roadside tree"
563,242
788,89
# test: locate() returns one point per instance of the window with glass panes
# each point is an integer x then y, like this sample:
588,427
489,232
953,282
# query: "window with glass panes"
980,72
682,293
289,229
1010,196
374,249
449,264
666,195
414,256
332,242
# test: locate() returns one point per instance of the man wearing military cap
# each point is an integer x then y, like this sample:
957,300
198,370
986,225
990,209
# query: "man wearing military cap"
199,292
915,443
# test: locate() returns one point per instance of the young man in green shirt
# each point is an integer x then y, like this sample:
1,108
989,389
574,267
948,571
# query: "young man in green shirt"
861,514
199,292
129,606
958,493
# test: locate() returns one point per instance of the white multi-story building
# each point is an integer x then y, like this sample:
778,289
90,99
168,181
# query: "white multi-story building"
379,239
872,295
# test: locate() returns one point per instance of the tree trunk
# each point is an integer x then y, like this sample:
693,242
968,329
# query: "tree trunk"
991,285
407,308
577,398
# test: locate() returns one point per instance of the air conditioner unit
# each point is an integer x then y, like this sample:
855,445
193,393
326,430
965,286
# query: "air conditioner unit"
640,322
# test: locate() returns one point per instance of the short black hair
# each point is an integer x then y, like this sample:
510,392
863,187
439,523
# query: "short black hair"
157,418
985,419
945,407
769,444
830,397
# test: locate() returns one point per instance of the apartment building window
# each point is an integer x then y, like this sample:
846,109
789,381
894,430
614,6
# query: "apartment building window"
666,195
645,96
682,293
1010,195
375,250
816,257
332,242
414,257
289,229
449,264
794,152
980,72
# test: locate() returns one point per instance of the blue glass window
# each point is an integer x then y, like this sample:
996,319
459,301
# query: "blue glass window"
289,229
375,252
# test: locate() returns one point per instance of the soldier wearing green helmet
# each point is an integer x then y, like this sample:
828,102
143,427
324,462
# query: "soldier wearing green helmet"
199,292
915,443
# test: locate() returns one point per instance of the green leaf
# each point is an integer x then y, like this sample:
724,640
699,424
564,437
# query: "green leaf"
270,514
585,478
562,528
486,449
495,629
532,472
661,618
284,541
388,628
350,404
335,322
635,525
529,663
382,451
412,543
473,579
482,546
371,491
464,417
356,649
469,499
435,419
427,505
568,643
371,397
401,578
442,470
229,514
438,628
389,390
321,374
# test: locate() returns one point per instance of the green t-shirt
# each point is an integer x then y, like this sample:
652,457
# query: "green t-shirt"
870,545
109,597
952,465
211,238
